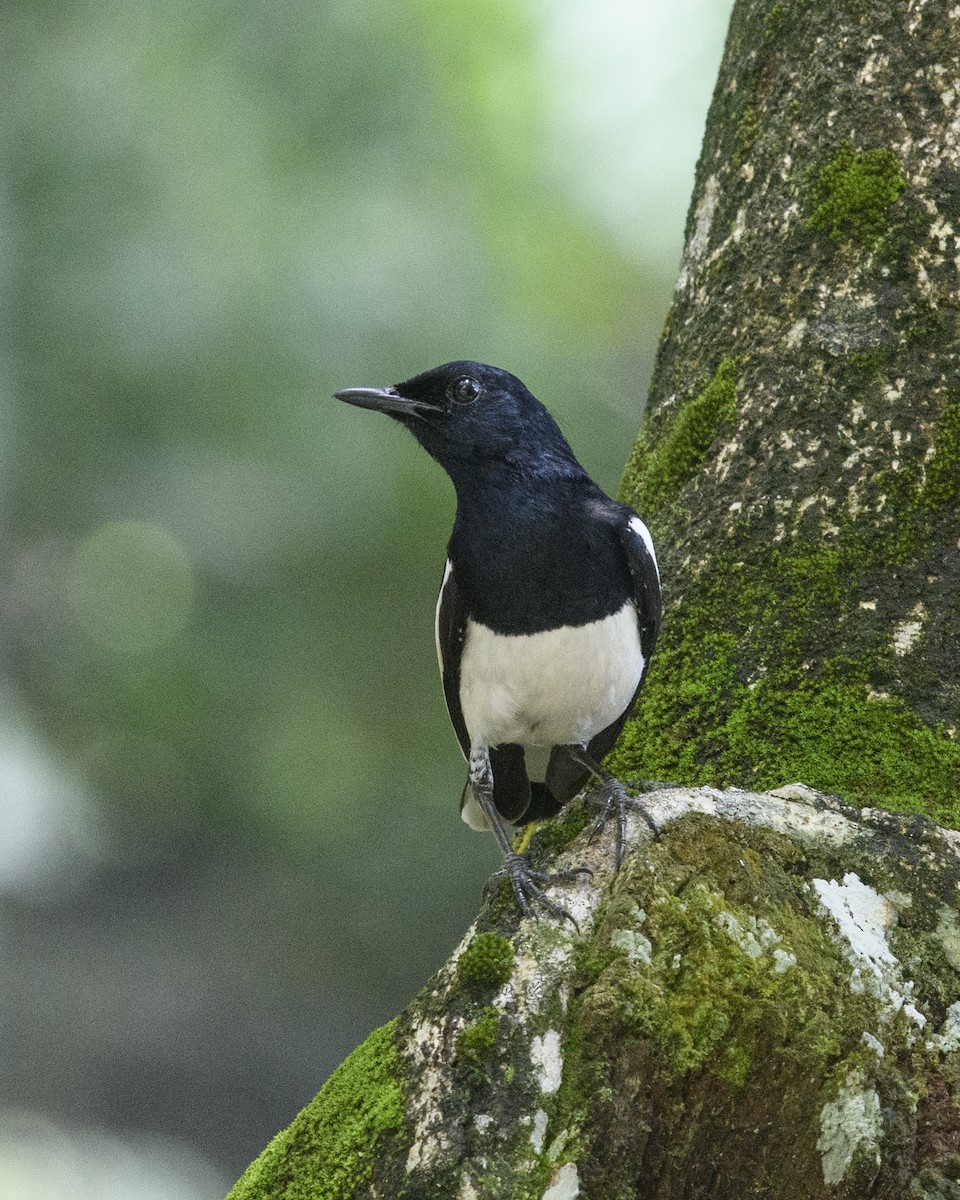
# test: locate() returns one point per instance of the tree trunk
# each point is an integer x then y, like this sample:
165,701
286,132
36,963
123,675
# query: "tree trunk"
800,462
764,1004
765,1001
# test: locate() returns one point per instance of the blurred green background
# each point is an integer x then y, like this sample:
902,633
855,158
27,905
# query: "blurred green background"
229,840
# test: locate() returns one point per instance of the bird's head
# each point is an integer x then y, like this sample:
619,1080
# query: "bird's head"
467,415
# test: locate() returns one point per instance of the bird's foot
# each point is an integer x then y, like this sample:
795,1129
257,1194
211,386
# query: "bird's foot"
612,799
526,883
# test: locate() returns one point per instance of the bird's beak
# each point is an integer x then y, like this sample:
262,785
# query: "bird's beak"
387,400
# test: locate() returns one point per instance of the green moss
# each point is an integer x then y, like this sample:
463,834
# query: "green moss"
487,963
330,1148
474,1042
657,474
854,192
722,1004
740,1014
742,691
554,836
702,719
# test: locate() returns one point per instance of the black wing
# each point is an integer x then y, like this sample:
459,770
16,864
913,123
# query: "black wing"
564,777
451,631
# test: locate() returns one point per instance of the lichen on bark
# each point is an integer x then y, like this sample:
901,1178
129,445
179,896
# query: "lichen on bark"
810,566
762,1002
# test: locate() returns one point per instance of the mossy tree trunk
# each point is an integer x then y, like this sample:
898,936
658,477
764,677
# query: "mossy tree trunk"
766,1001
800,461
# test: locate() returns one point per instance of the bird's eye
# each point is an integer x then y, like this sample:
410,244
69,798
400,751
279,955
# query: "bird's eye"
465,390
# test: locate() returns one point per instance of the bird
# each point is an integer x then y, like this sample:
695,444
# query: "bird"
549,606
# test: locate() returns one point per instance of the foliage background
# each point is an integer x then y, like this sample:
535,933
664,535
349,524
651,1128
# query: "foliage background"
229,842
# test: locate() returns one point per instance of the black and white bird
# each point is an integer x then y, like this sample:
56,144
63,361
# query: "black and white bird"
549,608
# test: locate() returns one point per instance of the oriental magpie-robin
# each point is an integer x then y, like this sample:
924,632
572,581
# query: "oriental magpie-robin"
549,607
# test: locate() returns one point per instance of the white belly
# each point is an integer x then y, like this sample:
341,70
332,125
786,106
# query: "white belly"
546,689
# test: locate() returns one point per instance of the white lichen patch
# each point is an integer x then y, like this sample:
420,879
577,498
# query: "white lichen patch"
907,632
755,938
863,918
873,1043
796,791
875,62
783,960
539,1131
773,811
535,979
467,1190
700,238
777,810
565,1184
941,229
679,802
852,1124
543,950
947,1041
634,945
948,933
580,900
547,1060
795,333
725,456
464,943
427,1051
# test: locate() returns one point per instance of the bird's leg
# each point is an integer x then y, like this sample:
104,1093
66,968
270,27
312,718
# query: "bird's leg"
524,880
612,794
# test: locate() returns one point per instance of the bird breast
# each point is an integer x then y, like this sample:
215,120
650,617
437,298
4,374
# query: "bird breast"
558,687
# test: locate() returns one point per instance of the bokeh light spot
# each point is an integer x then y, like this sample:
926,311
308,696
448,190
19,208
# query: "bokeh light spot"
131,586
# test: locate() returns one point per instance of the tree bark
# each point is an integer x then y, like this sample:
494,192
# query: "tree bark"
765,1001
800,462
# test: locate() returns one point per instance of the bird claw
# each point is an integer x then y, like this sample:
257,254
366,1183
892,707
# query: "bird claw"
526,886
612,797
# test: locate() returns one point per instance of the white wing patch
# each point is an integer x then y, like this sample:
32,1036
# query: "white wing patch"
436,619
643,533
